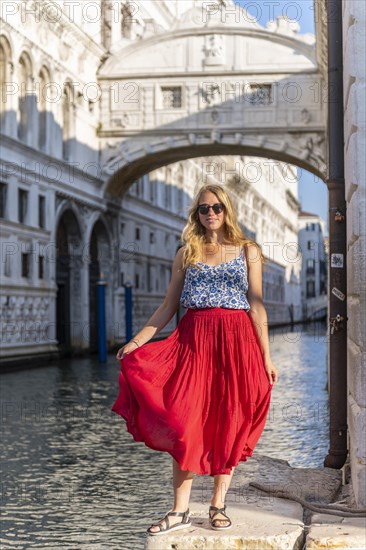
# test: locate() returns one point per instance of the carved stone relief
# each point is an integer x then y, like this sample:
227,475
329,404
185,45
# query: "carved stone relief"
214,50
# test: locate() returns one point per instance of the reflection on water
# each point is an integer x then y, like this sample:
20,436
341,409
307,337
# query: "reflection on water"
73,477
297,428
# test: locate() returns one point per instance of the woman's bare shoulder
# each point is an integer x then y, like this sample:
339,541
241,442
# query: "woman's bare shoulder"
180,251
253,252
178,260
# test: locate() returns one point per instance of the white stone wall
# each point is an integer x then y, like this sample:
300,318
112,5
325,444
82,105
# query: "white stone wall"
73,187
354,62
28,312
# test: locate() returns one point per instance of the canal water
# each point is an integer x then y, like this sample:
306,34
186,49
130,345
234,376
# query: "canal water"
73,477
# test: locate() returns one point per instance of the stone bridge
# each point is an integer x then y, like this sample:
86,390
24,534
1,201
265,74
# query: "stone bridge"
316,308
212,86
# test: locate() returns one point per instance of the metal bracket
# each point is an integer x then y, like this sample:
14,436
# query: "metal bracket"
338,216
336,323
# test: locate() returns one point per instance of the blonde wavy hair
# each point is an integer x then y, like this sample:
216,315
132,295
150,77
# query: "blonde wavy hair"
193,233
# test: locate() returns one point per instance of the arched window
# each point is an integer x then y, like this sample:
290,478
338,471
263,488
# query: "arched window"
5,79
68,110
26,98
42,109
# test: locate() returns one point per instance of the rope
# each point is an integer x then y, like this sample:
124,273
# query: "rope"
320,508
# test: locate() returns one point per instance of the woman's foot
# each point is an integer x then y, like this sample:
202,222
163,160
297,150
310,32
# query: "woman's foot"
172,521
218,519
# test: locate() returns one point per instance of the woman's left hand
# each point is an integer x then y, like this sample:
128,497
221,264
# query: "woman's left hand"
271,370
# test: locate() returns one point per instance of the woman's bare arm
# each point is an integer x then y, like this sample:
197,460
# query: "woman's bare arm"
257,309
168,308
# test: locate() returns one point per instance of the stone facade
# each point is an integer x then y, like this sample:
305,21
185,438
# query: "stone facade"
62,229
354,25
198,96
48,172
314,283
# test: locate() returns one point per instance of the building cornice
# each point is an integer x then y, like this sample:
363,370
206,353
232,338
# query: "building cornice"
54,63
206,74
66,23
58,28
17,145
27,231
224,132
292,200
306,49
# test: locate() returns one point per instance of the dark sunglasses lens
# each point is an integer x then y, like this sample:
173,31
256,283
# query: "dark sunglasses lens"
204,209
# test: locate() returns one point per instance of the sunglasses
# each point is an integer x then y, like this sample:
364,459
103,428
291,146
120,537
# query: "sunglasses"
204,209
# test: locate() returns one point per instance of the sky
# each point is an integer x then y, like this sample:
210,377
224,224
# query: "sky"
264,10
313,192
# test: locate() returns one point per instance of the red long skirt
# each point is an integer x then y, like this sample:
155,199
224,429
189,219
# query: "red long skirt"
202,394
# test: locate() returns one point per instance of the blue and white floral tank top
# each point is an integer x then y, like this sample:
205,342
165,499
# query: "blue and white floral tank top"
224,285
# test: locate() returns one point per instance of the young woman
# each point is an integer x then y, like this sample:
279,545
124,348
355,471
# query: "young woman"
203,393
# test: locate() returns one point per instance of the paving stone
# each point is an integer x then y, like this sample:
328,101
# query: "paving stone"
260,521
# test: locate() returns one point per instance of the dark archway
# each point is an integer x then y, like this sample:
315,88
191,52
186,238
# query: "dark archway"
99,266
68,239
94,275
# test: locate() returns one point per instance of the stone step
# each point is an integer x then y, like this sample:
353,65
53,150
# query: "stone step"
328,531
277,525
261,521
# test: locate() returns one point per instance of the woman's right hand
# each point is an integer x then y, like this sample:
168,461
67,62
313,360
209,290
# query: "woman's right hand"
124,350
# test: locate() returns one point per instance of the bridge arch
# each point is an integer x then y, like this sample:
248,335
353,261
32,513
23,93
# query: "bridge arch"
213,85
126,167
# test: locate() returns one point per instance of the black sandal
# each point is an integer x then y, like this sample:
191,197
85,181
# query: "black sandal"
162,530
212,520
